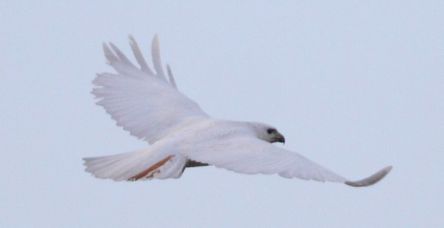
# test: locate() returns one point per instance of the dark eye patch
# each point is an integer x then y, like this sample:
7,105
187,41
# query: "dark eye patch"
271,130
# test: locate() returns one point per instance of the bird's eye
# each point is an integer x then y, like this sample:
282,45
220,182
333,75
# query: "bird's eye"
271,130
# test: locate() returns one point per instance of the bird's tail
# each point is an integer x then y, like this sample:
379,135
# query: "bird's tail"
137,165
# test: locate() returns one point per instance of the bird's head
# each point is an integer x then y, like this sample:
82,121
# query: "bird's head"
267,133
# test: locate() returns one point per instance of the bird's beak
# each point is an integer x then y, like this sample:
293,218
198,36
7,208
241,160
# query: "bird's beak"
279,138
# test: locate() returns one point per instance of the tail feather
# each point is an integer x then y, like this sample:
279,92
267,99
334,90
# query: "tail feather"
142,164
173,169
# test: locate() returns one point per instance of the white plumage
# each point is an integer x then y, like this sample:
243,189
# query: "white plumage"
147,104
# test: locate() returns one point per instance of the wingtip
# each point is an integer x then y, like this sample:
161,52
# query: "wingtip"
170,76
155,52
109,55
105,48
371,180
155,42
132,41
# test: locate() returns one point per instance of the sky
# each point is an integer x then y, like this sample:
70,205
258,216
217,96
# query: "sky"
353,85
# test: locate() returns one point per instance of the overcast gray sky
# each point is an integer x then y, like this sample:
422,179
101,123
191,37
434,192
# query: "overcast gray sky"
353,85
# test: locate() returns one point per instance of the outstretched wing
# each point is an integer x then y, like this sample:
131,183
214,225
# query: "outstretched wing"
253,156
142,101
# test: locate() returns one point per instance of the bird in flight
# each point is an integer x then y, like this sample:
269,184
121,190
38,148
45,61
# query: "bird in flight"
147,103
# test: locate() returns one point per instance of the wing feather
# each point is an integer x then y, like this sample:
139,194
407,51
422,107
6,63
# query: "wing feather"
121,56
157,61
143,103
253,156
171,77
139,56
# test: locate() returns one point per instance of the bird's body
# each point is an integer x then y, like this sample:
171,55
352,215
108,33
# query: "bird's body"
149,106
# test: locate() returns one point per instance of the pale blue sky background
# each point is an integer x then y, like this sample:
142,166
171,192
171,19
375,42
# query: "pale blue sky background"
353,85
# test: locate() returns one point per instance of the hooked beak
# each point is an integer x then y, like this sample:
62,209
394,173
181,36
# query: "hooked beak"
279,138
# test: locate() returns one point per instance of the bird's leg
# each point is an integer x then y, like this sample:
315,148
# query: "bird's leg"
191,163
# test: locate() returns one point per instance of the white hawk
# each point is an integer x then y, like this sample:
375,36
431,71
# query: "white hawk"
147,104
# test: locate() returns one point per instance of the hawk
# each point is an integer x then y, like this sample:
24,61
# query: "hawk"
146,102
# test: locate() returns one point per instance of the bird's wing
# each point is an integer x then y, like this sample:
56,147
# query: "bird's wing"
253,156
144,102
